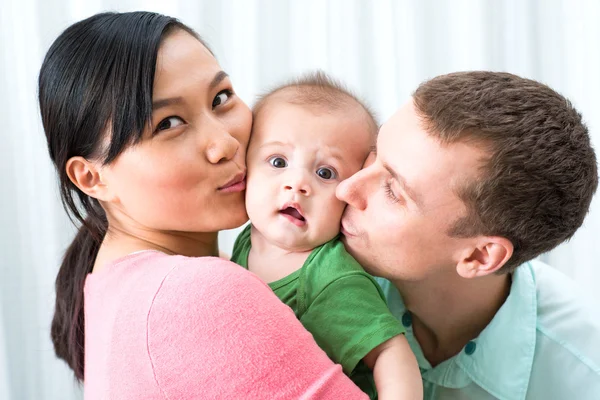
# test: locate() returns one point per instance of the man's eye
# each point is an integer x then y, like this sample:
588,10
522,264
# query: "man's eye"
390,193
326,173
222,97
278,162
168,123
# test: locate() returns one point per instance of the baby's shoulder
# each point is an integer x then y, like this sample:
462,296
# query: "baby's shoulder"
331,266
332,258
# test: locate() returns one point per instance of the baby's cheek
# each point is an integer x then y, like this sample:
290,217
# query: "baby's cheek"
334,211
253,202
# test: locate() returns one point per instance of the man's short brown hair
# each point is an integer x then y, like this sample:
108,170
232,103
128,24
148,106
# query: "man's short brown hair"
536,186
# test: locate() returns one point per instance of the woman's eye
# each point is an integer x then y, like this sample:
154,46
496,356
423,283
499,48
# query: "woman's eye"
168,123
221,98
278,162
326,173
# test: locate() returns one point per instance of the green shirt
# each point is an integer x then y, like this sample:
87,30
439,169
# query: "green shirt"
337,301
543,343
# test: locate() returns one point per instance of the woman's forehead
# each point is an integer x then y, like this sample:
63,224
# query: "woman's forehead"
183,60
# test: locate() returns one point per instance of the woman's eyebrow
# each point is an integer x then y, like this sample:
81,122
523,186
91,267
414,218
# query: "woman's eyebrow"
157,104
217,79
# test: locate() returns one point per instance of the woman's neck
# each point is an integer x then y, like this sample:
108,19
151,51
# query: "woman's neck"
119,242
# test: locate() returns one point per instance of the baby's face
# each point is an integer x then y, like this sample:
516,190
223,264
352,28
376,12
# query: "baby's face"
296,158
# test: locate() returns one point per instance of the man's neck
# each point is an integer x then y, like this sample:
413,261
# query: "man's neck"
449,311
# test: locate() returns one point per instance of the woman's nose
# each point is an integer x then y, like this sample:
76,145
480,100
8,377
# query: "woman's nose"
353,190
222,146
297,182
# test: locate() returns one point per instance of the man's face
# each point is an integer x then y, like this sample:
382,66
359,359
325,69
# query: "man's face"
403,203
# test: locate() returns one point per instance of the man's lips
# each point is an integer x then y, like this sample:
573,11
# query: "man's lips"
236,184
347,229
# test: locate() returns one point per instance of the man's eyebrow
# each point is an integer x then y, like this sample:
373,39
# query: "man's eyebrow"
373,149
414,196
217,79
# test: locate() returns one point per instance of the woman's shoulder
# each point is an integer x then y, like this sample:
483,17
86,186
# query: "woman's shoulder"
191,278
208,269
185,287
161,279
212,329
154,264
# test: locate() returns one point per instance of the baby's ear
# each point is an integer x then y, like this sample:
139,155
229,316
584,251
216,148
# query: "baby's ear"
371,156
87,176
489,254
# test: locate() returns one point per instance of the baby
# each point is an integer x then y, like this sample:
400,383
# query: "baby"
307,137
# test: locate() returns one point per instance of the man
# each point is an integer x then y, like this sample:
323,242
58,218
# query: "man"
477,175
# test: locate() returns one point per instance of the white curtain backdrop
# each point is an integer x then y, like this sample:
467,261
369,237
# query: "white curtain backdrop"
381,48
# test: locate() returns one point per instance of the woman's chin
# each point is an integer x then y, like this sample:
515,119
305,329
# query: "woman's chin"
234,219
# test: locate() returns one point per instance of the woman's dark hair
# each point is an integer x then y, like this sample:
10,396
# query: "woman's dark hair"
95,82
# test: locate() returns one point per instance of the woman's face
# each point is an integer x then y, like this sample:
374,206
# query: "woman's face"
188,172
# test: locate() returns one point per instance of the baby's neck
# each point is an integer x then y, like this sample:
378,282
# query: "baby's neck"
271,262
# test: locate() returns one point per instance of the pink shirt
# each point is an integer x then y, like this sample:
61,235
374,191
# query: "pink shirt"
174,327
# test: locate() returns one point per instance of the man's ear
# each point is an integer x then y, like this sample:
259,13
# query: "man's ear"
87,177
487,256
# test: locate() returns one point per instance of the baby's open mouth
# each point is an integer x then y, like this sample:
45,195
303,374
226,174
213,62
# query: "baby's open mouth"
292,212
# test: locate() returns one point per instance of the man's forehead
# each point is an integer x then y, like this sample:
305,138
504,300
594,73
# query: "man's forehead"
405,116
432,170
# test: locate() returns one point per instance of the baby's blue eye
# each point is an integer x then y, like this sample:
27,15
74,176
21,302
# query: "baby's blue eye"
326,173
278,162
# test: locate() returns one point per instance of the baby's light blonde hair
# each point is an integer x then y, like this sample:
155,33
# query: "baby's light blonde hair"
318,92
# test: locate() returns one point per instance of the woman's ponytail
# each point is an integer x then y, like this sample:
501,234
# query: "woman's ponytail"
68,327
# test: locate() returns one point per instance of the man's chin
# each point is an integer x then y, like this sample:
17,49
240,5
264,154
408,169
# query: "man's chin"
352,248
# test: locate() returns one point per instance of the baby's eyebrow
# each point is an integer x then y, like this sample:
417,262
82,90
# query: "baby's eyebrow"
275,143
373,149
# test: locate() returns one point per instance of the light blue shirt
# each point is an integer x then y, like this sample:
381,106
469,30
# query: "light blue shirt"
543,343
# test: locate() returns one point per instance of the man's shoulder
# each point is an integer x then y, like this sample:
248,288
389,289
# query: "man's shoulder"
567,351
563,310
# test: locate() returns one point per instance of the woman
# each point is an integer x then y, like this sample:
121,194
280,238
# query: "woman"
149,140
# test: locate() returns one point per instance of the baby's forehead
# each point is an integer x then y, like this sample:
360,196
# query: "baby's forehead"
282,126
313,99
290,111
281,116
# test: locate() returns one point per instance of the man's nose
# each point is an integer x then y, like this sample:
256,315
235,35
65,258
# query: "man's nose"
353,190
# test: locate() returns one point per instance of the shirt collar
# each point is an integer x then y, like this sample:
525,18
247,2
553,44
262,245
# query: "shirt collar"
500,359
